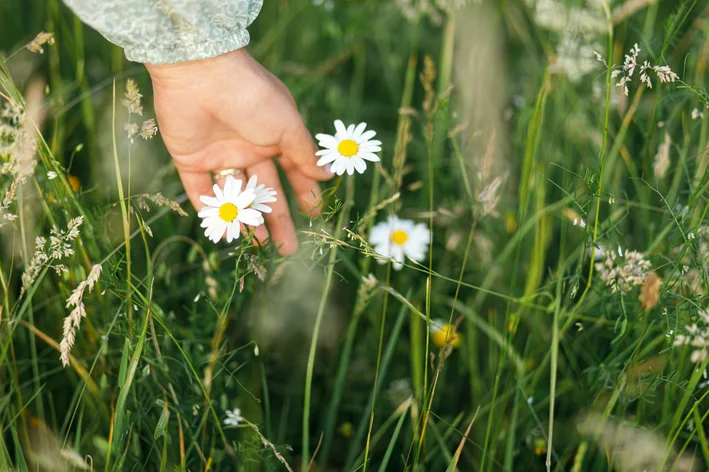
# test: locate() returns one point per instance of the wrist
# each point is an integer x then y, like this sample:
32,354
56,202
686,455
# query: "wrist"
187,70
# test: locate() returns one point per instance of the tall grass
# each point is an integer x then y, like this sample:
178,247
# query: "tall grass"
538,177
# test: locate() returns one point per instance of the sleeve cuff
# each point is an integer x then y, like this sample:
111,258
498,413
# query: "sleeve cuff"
184,53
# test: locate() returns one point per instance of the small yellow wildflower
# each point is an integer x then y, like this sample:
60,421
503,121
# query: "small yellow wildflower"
540,447
74,182
443,334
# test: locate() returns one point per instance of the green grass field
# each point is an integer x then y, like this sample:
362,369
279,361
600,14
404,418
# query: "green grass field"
569,260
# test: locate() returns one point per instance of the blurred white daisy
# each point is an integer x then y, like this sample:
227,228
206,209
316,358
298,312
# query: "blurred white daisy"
348,150
226,211
262,195
397,239
233,417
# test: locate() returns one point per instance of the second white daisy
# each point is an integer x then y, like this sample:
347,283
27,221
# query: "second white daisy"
262,195
397,239
227,210
349,149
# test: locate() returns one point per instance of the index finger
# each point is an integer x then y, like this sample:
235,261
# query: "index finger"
196,184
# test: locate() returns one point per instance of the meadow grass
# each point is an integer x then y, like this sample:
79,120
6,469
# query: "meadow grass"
557,321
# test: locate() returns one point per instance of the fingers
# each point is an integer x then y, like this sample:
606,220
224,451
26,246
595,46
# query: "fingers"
297,146
196,184
279,221
306,189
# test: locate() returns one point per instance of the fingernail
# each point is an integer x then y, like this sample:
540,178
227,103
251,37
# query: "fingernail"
328,169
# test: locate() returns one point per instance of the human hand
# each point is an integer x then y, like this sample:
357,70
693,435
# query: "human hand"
230,112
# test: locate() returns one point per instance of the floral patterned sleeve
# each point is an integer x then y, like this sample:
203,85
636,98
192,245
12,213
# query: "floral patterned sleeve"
168,31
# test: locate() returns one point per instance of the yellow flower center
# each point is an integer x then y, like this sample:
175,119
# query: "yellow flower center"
228,212
348,148
399,237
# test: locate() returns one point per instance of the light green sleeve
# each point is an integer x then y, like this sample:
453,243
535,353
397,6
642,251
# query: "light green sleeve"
168,31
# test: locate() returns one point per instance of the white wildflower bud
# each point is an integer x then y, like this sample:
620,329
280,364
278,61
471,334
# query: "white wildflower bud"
665,74
622,278
45,254
600,58
644,78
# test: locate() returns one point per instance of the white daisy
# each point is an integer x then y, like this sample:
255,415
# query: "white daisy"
233,417
226,212
397,239
348,150
262,195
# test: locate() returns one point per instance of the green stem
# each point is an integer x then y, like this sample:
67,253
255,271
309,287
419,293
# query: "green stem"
344,212
124,212
376,372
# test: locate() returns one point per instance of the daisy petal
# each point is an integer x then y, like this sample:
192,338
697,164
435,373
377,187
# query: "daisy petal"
208,212
262,208
397,253
380,234
338,167
340,127
252,183
382,249
366,136
244,199
229,187
210,201
359,130
264,199
218,192
369,147
325,140
250,217
207,222
326,159
359,164
216,231
230,230
369,156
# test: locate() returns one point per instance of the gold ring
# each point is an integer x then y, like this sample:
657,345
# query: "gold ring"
224,173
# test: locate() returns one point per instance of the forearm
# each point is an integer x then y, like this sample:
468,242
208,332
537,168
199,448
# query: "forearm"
169,31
